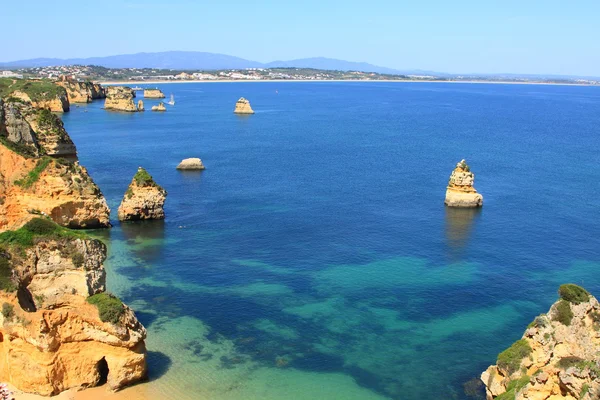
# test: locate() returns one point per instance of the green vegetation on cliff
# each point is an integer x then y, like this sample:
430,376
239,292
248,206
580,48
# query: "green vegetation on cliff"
33,175
563,313
513,388
110,308
37,228
6,282
37,90
573,293
510,359
143,178
49,124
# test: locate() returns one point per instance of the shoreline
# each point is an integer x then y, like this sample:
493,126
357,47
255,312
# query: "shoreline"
160,82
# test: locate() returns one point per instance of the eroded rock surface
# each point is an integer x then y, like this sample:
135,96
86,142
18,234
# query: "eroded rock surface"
191,164
243,107
460,191
144,199
82,92
153,94
557,357
120,98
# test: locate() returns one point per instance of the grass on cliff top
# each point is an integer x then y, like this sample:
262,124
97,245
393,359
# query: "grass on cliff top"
143,178
513,388
37,90
34,175
110,308
510,359
35,229
573,293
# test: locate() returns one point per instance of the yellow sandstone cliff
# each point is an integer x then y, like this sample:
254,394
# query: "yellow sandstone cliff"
153,94
557,357
82,92
242,106
58,329
120,98
144,199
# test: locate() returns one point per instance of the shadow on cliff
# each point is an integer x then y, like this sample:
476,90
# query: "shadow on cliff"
158,365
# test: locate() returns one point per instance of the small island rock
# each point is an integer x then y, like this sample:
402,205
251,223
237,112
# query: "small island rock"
460,191
140,105
144,199
191,164
120,98
243,107
159,107
153,94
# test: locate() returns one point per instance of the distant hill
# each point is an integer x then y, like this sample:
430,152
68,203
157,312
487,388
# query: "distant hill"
195,60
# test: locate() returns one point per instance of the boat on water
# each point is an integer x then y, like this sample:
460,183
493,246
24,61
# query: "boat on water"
172,101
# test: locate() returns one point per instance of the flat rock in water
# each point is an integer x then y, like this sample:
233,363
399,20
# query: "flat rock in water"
191,164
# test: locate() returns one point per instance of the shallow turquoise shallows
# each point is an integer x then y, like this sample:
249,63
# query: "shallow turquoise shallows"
314,257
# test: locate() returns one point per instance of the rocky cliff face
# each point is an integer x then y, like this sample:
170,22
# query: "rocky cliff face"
38,93
153,94
243,107
82,92
120,98
58,329
33,181
59,103
460,191
144,199
557,357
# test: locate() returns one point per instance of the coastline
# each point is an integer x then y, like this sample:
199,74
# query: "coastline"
140,391
160,82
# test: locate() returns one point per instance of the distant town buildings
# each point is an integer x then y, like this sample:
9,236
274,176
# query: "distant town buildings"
10,74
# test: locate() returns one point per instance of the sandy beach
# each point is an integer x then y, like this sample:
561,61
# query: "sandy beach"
137,392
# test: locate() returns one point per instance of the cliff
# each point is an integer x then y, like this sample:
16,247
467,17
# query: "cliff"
460,191
38,93
144,199
243,107
120,98
58,329
557,357
33,181
82,92
153,94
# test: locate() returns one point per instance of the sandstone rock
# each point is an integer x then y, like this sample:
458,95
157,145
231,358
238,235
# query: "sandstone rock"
144,199
56,340
191,164
31,183
558,356
82,92
243,107
59,103
140,105
159,107
153,94
460,191
120,98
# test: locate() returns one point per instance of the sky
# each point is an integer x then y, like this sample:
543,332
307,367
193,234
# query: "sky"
460,36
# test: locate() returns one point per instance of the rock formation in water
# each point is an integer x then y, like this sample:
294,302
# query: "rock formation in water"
557,357
34,180
191,164
159,107
153,94
460,191
144,199
243,107
120,98
58,329
82,92
140,105
37,93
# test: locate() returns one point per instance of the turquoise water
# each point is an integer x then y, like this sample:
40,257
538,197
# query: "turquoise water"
314,257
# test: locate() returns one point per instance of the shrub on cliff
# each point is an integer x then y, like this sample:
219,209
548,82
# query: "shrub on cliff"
6,282
37,90
143,178
8,311
37,228
573,293
510,359
563,313
34,175
110,308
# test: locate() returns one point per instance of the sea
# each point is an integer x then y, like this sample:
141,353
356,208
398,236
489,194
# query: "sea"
314,257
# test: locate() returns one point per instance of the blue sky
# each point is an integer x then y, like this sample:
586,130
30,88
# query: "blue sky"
460,36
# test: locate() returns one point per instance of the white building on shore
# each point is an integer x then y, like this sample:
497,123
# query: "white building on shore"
10,74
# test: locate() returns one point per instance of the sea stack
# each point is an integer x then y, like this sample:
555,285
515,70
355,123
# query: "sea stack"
140,105
460,191
243,107
556,358
144,199
159,107
153,94
120,98
191,164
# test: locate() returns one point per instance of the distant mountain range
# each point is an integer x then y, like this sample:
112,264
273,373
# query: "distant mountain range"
195,60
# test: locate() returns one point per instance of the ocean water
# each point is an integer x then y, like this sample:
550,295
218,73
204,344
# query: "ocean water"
314,257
